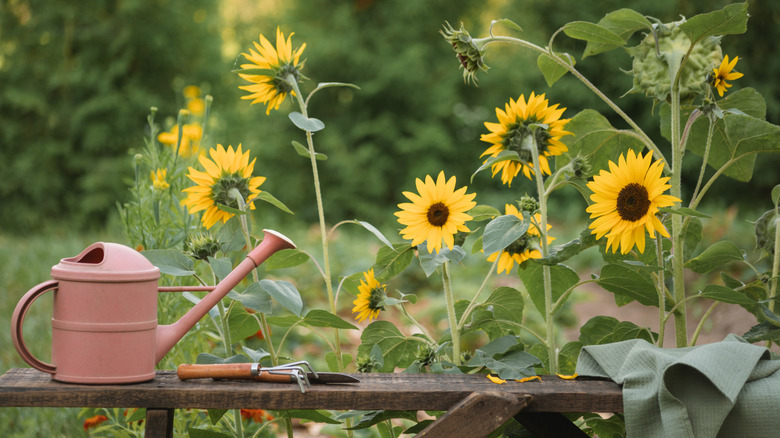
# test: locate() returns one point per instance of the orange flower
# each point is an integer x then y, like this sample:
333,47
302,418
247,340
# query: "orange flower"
94,421
256,415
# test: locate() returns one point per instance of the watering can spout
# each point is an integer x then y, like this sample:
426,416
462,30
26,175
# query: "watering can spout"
169,335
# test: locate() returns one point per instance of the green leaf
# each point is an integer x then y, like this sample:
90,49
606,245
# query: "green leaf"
399,350
730,20
567,357
392,261
596,139
269,198
505,155
231,210
726,295
606,329
311,415
255,355
551,70
483,213
503,231
561,253
322,318
591,32
284,321
514,365
375,232
625,282
374,417
170,261
285,293
430,262
719,253
532,276
210,359
508,23
500,314
221,267
333,364
242,324
216,414
624,23
254,297
286,258
304,152
692,235
765,331
305,123
683,211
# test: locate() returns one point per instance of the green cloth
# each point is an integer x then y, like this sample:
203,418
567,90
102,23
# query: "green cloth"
725,389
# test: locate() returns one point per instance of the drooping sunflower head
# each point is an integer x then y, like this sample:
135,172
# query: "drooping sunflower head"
369,301
626,200
522,126
437,212
470,52
724,73
283,65
525,248
227,176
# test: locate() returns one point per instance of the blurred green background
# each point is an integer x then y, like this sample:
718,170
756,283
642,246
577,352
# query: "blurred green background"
77,81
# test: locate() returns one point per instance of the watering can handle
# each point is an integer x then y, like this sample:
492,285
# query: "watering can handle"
18,319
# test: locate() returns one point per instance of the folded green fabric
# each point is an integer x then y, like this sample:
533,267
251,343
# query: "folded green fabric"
725,389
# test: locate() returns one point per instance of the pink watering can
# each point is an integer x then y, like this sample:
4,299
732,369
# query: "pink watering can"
104,323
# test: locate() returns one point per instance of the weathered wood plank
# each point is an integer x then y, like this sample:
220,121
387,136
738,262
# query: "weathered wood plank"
477,415
400,391
159,423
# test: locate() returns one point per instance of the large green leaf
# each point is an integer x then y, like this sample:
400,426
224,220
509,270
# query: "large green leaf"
503,231
606,329
254,297
623,22
304,123
592,32
392,261
500,314
311,415
399,350
322,318
286,258
730,20
170,261
430,262
726,295
718,254
551,70
285,293
242,324
532,275
625,282
596,139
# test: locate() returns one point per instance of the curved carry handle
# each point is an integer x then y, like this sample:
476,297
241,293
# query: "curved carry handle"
18,319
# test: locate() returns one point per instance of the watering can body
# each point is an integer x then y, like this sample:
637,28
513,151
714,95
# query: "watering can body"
104,315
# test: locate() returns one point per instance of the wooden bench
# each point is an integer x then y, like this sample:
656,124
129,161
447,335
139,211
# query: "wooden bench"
472,402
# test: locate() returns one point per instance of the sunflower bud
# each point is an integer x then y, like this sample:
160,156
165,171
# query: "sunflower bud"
766,227
470,52
426,355
201,246
580,167
658,57
528,203
366,364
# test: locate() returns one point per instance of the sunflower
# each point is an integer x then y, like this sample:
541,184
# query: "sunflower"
526,247
626,200
281,62
515,133
190,139
227,174
369,300
724,73
436,212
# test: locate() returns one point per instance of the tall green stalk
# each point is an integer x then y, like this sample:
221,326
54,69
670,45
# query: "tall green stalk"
449,301
678,273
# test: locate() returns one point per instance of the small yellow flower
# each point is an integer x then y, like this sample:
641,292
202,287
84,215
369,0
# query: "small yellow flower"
227,174
190,139
514,132
724,73
496,380
196,106
524,248
191,91
567,376
528,379
436,214
283,64
372,293
626,200
158,179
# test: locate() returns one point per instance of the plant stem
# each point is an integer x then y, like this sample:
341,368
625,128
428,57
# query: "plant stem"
473,302
775,262
552,352
678,278
659,287
449,301
696,333
321,213
705,158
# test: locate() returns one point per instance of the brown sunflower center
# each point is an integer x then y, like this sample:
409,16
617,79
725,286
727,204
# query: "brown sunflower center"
633,202
438,214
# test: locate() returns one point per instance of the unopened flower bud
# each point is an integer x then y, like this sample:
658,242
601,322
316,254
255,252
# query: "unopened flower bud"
766,227
201,246
528,203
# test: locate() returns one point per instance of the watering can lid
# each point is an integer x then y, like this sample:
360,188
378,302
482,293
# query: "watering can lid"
104,261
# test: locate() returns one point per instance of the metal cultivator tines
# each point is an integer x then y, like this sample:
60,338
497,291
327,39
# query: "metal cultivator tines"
294,369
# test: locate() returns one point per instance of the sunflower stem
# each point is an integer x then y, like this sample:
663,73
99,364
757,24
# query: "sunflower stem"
705,158
449,301
546,273
659,287
473,302
678,273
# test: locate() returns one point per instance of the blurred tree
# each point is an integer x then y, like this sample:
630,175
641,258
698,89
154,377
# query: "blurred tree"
78,79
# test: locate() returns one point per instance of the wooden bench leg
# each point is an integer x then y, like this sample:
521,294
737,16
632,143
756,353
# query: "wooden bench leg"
549,425
479,414
159,423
